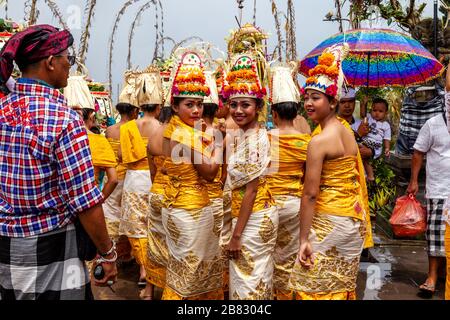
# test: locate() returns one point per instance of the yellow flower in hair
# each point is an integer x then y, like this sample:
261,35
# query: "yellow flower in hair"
326,59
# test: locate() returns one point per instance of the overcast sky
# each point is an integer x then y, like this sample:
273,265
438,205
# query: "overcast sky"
211,20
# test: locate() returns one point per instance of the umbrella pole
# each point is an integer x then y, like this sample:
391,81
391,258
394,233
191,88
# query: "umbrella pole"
367,84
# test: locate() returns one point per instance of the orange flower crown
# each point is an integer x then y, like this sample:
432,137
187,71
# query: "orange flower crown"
243,80
327,75
189,79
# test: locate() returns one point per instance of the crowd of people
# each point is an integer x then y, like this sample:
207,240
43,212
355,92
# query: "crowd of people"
212,204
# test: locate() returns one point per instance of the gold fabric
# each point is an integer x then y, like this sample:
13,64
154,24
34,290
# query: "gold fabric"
337,243
102,154
133,145
225,236
339,188
185,189
249,160
215,187
368,242
351,295
121,170
194,264
112,209
288,157
154,275
251,275
161,179
112,225
169,294
447,254
157,247
135,204
193,138
287,244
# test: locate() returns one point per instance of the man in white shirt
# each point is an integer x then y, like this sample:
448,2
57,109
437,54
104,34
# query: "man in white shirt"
434,142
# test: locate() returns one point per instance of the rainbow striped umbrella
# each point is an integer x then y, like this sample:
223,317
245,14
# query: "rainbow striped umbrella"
379,58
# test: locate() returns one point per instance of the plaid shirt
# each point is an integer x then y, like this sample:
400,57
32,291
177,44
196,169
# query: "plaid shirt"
46,171
414,114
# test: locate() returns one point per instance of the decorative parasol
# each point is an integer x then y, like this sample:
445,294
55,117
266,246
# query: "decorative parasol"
380,58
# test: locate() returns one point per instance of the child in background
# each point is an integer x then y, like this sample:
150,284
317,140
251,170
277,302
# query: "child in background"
378,140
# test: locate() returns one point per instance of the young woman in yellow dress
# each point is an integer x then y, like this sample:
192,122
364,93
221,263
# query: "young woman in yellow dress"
112,207
254,214
194,267
332,215
288,157
134,137
157,254
103,157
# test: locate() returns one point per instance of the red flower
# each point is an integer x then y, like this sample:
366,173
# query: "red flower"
332,90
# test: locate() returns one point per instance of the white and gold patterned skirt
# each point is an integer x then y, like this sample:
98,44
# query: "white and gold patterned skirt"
251,276
194,263
135,204
287,245
337,243
112,208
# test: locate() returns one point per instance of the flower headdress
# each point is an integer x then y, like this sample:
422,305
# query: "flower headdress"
189,79
242,80
327,77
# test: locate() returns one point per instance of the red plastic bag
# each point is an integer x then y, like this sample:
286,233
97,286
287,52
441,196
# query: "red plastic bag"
409,217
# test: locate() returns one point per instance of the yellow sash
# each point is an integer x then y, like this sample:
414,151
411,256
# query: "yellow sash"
134,147
182,133
288,155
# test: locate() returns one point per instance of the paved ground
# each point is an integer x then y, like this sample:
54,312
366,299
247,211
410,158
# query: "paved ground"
393,272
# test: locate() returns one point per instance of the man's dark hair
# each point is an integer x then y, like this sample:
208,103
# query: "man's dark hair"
286,110
125,108
381,100
209,110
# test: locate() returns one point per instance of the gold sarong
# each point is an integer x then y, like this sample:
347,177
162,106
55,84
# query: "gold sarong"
287,244
135,204
337,242
251,276
112,209
194,264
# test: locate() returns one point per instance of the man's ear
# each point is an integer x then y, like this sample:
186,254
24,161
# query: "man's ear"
49,63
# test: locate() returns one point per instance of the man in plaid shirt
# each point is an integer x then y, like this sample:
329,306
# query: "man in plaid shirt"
46,176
